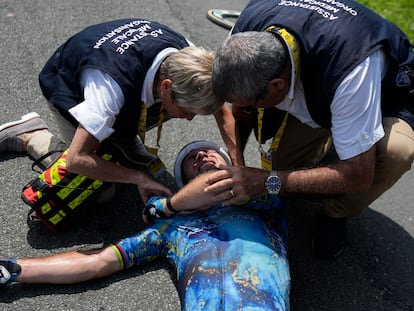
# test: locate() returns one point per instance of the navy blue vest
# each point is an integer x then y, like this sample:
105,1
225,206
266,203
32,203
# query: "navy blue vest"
334,36
125,49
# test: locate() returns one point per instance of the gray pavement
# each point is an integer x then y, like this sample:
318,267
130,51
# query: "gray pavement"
375,272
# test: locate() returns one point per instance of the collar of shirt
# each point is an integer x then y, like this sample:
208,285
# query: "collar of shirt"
295,101
147,94
291,93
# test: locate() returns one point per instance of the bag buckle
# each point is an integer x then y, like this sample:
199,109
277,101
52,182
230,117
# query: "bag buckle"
40,185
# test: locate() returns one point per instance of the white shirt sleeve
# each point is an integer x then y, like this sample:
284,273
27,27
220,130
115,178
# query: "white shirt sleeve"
356,108
103,101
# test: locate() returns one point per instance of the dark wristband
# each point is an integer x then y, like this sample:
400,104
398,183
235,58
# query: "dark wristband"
170,207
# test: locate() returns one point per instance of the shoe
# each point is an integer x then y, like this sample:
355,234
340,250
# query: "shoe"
136,155
5,275
9,131
330,237
9,271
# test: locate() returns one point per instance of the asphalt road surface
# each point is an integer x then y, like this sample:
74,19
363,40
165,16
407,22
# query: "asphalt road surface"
375,272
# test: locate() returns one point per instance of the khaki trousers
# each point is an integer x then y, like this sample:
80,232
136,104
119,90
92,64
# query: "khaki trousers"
45,141
303,147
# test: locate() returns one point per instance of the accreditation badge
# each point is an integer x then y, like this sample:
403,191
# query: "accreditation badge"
266,159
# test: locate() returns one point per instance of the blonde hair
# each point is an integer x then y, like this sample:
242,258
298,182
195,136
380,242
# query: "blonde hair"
190,71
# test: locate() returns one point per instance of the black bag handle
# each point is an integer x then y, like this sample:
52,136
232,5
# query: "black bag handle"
37,162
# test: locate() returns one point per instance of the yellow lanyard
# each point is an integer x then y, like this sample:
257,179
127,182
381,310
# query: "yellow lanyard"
142,127
266,156
279,133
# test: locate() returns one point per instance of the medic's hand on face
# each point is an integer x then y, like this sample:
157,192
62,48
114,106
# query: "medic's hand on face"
200,161
244,182
191,197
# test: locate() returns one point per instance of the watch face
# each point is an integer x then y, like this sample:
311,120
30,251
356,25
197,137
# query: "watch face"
273,184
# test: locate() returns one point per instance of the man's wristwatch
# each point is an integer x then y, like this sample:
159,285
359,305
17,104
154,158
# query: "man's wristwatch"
273,183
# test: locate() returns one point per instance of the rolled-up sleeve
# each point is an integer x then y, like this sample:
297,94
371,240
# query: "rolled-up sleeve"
103,101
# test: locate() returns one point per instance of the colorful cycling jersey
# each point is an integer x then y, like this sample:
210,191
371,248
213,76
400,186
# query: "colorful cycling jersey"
226,258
